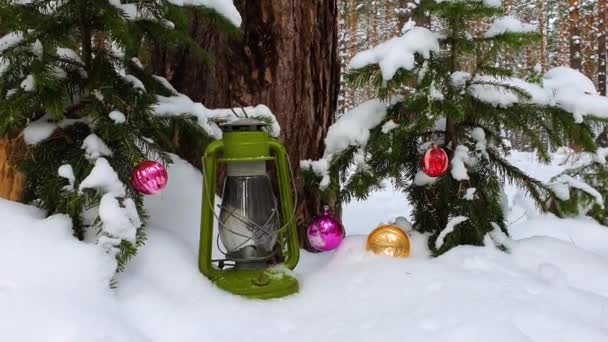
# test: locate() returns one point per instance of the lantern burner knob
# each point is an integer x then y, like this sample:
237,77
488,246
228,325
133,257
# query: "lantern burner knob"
244,125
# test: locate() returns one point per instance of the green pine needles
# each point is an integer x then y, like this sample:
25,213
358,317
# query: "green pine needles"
456,96
73,89
587,193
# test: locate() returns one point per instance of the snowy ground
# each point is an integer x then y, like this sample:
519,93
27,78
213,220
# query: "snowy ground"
553,286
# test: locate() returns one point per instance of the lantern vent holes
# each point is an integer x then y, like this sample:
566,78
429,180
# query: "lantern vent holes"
244,125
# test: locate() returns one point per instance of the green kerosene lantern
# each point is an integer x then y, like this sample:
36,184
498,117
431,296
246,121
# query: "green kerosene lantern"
259,242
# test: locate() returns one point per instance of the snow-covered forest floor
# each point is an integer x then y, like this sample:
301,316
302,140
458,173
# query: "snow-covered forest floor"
552,286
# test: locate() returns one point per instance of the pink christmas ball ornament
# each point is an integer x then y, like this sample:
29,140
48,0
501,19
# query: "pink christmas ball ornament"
149,177
325,233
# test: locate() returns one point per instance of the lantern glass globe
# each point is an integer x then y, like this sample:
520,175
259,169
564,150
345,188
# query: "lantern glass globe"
249,216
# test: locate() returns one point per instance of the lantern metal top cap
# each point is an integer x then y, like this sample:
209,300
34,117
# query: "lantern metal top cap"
244,125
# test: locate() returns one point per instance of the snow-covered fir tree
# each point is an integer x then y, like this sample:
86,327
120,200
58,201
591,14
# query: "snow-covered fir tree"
583,190
73,88
463,101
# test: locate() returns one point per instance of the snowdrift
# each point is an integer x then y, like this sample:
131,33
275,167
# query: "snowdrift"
552,286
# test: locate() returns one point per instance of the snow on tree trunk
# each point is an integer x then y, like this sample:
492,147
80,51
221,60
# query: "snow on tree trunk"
575,39
285,58
601,51
542,30
11,180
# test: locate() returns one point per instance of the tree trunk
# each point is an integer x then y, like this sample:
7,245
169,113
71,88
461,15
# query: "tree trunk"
588,34
601,47
343,40
388,20
403,15
506,6
11,180
563,33
542,29
286,58
575,39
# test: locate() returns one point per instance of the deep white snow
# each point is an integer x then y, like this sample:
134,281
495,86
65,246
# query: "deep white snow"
552,286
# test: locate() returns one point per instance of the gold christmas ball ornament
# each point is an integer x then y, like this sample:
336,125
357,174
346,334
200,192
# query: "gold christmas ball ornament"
389,240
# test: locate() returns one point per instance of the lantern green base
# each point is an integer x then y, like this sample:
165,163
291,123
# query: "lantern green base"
257,284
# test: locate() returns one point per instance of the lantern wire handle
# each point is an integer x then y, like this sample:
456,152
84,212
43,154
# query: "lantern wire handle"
221,225
246,221
237,115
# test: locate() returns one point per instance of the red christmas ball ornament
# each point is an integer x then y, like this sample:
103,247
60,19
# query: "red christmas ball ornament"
149,177
435,162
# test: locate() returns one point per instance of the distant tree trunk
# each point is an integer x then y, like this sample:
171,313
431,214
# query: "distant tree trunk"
286,59
388,20
563,33
588,44
542,29
353,45
601,47
371,23
404,14
353,26
11,180
343,40
576,56
506,5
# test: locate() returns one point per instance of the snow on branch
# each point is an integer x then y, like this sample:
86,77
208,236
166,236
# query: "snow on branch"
119,217
66,171
94,148
562,87
41,129
104,179
10,40
575,93
460,158
351,129
489,3
225,8
600,156
134,12
452,223
479,135
398,52
182,105
509,24
562,184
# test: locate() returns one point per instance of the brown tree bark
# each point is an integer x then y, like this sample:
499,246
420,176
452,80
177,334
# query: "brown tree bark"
575,39
403,16
353,46
542,29
588,44
506,5
286,58
371,23
601,47
12,181
563,33
420,19
388,14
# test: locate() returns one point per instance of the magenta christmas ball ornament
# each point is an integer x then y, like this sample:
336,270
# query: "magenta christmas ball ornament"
435,162
149,177
325,233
